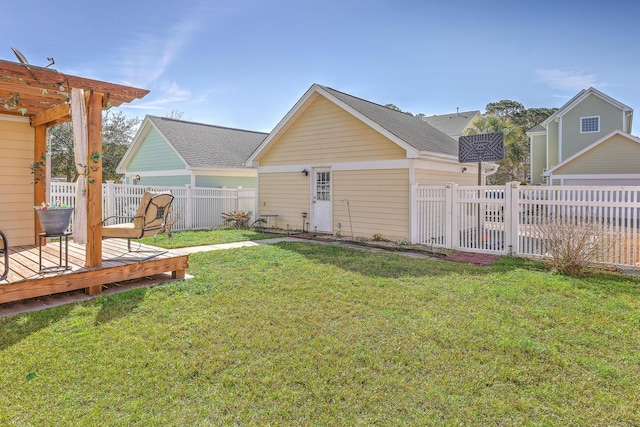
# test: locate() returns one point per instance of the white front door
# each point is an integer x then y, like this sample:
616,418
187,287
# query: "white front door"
321,201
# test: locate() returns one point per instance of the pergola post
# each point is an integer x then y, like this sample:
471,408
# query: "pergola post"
39,190
94,185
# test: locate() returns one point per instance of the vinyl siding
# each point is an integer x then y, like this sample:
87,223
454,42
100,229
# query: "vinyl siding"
553,135
538,158
169,181
285,195
226,181
430,177
573,141
618,155
16,182
154,154
324,133
378,201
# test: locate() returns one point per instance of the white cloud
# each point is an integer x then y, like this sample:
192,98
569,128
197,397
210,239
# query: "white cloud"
573,81
149,55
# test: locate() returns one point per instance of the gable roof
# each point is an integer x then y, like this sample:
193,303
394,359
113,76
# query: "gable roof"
452,124
538,129
579,98
409,132
591,147
200,145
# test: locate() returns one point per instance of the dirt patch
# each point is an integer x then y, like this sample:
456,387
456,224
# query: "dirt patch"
473,258
467,257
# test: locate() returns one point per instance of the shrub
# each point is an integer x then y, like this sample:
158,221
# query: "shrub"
237,219
570,244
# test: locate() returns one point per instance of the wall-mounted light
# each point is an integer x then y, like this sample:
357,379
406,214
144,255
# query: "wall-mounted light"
305,172
464,169
137,177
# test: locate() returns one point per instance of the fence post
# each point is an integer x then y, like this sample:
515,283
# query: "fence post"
238,189
511,216
189,207
110,197
452,237
413,213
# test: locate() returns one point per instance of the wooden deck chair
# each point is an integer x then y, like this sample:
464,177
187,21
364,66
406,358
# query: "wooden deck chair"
151,218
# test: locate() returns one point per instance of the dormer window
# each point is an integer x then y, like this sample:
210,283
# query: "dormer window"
589,124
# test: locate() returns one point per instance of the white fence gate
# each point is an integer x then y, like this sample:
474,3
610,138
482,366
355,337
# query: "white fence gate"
194,208
512,219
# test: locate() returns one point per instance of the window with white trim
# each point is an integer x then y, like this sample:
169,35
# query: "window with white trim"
589,124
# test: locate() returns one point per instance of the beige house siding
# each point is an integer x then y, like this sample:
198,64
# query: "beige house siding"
434,177
618,155
378,200
16,188
538,158
552,144
325,133
611,118
286,195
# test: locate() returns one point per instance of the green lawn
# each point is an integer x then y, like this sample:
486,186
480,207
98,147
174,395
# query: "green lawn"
307,334
182,239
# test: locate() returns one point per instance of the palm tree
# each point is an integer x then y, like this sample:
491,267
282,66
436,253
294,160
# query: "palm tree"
516,148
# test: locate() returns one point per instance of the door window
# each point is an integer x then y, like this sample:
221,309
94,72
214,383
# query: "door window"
323,186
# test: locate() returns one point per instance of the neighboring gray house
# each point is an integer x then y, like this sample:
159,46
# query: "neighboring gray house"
587,141
454,124
173,152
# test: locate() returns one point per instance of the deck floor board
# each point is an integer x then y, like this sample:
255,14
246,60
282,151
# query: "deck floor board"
26,279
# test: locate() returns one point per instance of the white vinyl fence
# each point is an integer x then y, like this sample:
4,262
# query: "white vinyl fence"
518,219
194,208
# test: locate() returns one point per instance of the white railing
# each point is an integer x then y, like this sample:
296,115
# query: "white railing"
514,218
194,208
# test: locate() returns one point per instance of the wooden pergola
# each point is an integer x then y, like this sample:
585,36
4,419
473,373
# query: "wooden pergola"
43,95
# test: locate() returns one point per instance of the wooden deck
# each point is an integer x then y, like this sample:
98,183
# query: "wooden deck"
27,280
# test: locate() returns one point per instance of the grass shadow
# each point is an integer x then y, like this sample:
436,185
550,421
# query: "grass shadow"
384,264
14,329
394,265
119,305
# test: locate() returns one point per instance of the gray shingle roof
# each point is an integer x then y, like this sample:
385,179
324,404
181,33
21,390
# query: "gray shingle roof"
412,130
206,146
452,124
538,128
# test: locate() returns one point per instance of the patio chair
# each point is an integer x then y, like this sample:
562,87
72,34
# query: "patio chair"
152,217
5,250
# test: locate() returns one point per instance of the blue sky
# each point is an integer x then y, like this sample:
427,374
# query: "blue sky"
244,63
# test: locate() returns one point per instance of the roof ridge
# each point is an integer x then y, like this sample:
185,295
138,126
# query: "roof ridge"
206,124
406,113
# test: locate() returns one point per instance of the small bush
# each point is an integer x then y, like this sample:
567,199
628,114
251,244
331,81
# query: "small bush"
237,219
570,244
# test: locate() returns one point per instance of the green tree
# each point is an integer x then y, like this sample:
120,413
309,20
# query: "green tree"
505,109
117,133
515,166
513,120
63,164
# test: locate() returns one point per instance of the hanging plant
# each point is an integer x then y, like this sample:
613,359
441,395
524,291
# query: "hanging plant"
38,168
12,103
92,161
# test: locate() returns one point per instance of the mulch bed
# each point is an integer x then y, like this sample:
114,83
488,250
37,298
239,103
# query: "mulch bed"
466,257
473,258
